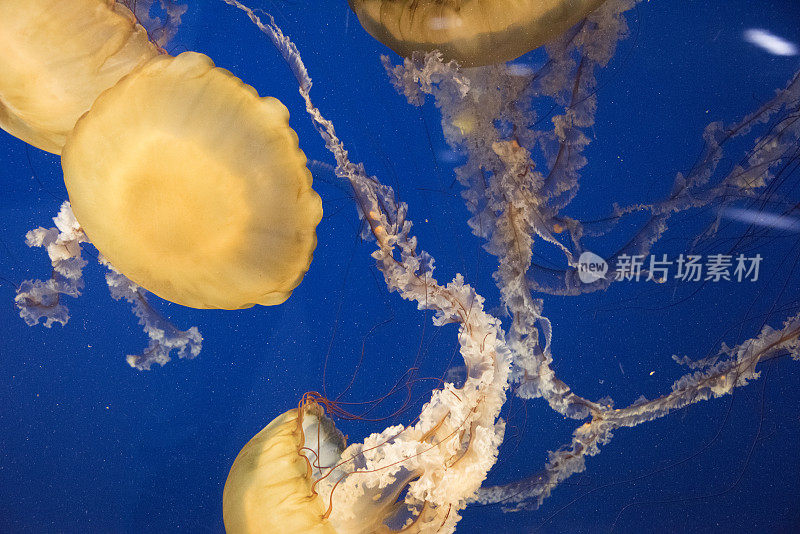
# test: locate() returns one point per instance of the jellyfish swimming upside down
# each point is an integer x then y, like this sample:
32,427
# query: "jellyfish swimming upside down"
472,32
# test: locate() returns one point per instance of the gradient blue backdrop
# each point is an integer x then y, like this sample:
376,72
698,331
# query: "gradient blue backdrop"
88,444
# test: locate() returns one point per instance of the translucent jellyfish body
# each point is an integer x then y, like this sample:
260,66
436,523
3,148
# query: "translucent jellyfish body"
473,32
56,57
193,186
284,477
270,485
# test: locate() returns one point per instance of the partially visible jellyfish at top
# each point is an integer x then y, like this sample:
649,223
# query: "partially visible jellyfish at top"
471,32
187,182
522,171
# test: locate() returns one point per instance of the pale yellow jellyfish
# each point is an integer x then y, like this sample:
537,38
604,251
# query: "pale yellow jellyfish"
270,485
283,481
193,186
473,32
56,57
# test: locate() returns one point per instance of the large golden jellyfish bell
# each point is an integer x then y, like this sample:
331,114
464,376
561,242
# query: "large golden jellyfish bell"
193,186
56,57
473,32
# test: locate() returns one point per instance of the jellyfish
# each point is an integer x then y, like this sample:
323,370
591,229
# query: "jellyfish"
297,475
202,195
472,32
270,487
57,57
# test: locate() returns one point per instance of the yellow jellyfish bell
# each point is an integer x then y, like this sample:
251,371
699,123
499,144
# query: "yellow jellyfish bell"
473,32
193,186
56,57
270,488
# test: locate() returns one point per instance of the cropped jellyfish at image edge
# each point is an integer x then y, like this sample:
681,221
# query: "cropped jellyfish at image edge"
181,203
472,32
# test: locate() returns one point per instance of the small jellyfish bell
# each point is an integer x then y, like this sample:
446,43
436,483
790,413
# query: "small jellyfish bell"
270,485
193,186
56,57
472,32
283,480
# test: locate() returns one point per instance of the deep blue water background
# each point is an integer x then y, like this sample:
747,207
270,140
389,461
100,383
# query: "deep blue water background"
90,445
